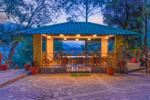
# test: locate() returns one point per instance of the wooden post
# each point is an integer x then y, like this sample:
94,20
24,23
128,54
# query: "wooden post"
37,49
50,47
118,50
104,47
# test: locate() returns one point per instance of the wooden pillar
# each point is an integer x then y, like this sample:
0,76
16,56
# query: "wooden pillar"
104,47
118,49
50,47
37,49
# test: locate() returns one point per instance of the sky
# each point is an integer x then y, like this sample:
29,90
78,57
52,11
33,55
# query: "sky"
98,18
3,18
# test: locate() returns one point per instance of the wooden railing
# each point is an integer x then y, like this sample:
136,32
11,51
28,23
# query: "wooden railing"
63,60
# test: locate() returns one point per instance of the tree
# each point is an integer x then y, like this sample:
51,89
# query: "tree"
81,8
1,5
146,13
28,14
126,14
32,13
24,52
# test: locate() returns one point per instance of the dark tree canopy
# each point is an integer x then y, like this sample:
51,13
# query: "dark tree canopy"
26,13
125,14
31,12
81,8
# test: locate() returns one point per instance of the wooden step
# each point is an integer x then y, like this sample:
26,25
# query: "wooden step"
65,70
52,70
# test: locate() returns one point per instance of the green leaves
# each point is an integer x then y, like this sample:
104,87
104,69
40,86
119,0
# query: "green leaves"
81,8
18,39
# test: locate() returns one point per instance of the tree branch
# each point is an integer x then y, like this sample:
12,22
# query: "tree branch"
81,11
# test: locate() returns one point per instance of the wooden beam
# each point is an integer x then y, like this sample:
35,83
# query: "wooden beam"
75,36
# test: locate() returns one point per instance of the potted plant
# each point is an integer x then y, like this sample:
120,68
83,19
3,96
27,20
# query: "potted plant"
4,67
133,60
34,68
110,69
16,67
27,66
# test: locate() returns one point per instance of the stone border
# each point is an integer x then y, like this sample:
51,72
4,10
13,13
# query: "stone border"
13,80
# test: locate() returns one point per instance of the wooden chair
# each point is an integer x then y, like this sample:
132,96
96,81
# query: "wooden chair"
62,60
104,61
96,59
91,60
71,62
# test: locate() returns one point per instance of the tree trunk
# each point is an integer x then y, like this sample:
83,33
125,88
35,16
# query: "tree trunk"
12,51
126,15
86,11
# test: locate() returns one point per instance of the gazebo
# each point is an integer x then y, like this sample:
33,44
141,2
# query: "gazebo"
76,31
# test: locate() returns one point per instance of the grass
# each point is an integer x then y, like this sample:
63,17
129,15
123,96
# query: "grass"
80,74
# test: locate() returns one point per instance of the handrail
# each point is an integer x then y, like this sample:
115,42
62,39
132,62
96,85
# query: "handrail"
49,58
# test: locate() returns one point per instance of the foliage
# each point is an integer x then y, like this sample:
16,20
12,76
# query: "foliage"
126,14
26,13
146,13
29,13
81,8
23,52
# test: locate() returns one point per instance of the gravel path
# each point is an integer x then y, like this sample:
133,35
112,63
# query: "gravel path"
135,86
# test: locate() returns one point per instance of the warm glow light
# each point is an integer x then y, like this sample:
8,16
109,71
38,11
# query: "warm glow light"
49,37
61,35
111,35
94,35
77,39
65,39
89,39
106,37
78,35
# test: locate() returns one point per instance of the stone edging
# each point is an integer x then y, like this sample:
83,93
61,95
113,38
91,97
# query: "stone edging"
13,80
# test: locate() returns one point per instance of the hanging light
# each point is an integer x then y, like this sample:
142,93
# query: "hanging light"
94,35
111,35
106,37
61,35
77,39
78,35
65,39
89,39
48,37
